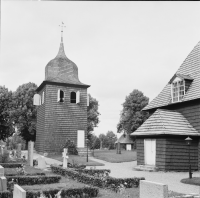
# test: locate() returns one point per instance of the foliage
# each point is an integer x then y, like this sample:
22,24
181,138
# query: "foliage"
102,138
14,140
71,147
24,112
94,142
4,158
6,126
21,170
92,115
6,194
131,116
11,165
34,179
108,140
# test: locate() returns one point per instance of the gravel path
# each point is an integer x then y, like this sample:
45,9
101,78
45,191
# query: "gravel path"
172,179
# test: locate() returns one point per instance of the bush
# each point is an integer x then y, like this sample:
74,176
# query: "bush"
11,165
28,174
72,150
4,158
6,194
33,179
101,182
77,192
93,172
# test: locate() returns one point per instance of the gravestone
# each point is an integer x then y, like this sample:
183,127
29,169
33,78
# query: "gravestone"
19,192
19,147
14,154
153,189
41,162
1,171
3,184
65,157
30,153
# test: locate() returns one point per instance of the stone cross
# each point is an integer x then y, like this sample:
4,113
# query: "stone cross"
65,157
30,153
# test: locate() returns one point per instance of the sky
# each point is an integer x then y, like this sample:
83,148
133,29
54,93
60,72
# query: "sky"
117,46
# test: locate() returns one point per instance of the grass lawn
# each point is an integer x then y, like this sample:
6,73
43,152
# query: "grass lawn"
192,181
113,157
76,159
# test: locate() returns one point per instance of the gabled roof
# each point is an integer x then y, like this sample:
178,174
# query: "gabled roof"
166,122
181,76
190,70
125,140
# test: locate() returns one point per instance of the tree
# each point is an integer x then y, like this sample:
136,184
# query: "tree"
94,142
111,138
6,126
131,116
24,112
92,115
102,138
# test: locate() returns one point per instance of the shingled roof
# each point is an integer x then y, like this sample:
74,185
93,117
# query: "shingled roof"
125,140
190,70
166,122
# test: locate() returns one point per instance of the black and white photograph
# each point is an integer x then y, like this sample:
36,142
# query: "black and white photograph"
100,99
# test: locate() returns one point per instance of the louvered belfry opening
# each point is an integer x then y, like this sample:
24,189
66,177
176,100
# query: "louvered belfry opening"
73,97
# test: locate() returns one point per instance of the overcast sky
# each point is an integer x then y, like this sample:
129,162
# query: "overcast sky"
117,46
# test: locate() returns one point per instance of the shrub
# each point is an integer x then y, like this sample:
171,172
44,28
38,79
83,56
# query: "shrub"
27,174
93,172
4,158
6,194
77,192
33,179
72,150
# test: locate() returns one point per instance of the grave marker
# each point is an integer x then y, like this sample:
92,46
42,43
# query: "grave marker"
1,171
153,189
41,162
65,157
19,192
3,184
30,153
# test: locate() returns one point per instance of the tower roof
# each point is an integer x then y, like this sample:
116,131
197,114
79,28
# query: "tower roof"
61,69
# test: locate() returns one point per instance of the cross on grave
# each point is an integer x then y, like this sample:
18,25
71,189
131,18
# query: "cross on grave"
65,157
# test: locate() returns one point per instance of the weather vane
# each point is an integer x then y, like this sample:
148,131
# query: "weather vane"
62,26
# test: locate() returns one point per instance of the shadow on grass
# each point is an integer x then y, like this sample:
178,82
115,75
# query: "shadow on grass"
192,181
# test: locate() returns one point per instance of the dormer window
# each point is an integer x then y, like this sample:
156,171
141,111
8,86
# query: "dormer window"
61,96
178,90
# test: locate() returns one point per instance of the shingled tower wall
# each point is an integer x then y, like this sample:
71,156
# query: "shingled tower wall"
57,121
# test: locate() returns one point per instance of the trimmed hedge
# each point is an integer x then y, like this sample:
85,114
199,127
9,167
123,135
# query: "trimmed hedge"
28,174
95,181
92,172
34,179
11,165
81,192
6,194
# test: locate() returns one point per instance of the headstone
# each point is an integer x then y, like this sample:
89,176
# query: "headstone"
14,154
41,162
19,147
65,157
30,153
1,171
3,184
153,189
19,192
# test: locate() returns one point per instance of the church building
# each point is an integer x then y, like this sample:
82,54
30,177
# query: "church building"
62,113
174,116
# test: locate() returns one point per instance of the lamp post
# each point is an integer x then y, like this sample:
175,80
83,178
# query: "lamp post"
188,142
87,148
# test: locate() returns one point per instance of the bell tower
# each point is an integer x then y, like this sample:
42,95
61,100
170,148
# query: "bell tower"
62,112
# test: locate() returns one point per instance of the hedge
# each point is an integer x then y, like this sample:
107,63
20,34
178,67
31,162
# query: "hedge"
96,181
34,179
92,172
81,192
6,194
11,165
28,174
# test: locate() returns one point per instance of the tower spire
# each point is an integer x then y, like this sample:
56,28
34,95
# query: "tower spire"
62,26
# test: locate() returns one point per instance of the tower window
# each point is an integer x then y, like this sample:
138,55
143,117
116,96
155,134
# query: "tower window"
73,97
61,96
178,90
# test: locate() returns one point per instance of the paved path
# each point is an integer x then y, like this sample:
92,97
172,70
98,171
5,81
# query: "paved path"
172,179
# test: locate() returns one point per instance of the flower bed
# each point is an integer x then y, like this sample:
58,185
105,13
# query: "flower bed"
108,182
93,172
32,180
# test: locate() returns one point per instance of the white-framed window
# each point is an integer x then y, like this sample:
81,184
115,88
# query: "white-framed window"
178,90
60,96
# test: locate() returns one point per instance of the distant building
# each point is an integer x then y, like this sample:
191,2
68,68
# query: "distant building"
126,142
174,115
63,111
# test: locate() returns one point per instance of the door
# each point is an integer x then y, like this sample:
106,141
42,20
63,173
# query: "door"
150,151
81,139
